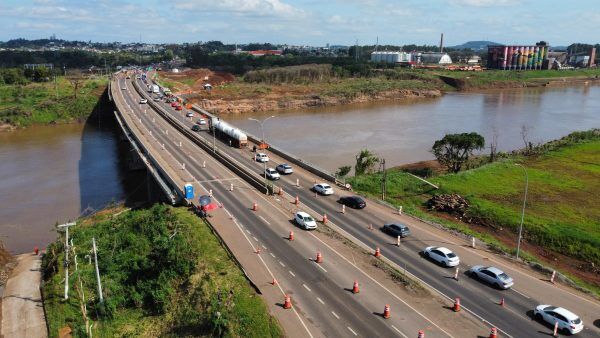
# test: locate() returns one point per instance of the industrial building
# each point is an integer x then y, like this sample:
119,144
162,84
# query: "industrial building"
414,58
392,57
434,58
518,57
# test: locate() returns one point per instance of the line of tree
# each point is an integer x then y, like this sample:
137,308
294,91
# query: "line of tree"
78,58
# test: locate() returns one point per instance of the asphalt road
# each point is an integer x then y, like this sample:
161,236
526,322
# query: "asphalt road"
515,319
317,289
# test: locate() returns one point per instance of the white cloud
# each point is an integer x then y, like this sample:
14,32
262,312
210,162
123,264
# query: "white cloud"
485,3
275,8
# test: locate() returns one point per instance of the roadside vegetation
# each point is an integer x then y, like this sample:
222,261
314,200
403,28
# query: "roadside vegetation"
38,100
561,215
163,273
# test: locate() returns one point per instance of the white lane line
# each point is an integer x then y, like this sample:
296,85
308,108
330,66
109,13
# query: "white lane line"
306,287
320,301
264,247
264,220
349,328
522,294
291,273
280,262
255,238
335,315
272,255
400,332
322,268
248,231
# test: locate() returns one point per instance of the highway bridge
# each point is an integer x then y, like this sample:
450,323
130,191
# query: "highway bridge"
323,304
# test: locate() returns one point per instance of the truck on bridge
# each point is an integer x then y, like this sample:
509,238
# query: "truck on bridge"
227,132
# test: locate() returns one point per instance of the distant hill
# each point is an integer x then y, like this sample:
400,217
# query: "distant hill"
475,45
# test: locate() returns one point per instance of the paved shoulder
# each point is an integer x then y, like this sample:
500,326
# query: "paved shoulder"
22,307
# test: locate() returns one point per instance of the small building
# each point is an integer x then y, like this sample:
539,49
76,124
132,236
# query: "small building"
435,58
392,57
474,60
265,52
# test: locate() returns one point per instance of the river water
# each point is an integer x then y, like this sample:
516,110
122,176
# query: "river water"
403,132
52,174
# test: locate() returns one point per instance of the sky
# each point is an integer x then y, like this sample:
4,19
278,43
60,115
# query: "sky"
304,22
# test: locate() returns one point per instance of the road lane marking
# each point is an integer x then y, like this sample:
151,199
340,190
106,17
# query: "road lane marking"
291,273
264,247
335,314
272,254
264,220
400,332
349,328
322,268
255,238
280,262
522,294
320,301
248,231
306,287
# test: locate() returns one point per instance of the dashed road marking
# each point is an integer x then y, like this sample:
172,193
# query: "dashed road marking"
320,301
264,247
291,273
306,287
522,294
255,238
280,262
335,315
272,254
400,332
349,328
322,268
264,220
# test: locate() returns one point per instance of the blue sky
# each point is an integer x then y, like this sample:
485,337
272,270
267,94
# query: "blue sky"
309,22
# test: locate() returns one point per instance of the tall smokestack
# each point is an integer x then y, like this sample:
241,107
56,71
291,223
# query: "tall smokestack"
442,43
592,57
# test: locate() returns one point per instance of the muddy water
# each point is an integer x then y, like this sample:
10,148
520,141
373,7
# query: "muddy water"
404,132
53,174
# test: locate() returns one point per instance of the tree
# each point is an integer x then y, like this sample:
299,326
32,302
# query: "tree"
455,149
76,80
365,162
343,171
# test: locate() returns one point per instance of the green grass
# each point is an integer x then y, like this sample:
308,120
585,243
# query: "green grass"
43,103
561,213
489,78
163,273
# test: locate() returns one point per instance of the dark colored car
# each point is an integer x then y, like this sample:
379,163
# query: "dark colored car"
353,202
396,229
196,127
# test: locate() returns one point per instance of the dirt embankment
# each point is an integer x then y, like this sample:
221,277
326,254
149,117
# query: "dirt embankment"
468,84
222,106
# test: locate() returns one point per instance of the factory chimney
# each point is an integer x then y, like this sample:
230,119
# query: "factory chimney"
442,43
592,57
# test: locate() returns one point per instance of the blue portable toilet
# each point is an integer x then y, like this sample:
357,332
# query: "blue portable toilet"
189,191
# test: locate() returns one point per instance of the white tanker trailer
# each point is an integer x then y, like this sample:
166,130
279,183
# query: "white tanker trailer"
229,133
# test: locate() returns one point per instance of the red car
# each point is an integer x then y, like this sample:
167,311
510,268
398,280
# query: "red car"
179,107
174,104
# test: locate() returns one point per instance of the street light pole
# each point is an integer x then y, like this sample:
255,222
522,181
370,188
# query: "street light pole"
262,130
523,210
66,226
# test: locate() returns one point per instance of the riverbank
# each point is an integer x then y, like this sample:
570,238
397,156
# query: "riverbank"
43,103
560,226
163,273
231,95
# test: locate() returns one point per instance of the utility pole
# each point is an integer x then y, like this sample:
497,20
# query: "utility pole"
383,179
66,226
97,271
261,123
523,210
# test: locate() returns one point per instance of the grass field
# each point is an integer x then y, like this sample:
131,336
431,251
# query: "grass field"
43,103
163,273
562,212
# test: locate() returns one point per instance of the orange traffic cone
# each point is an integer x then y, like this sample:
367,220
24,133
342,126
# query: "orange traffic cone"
386,311
274,282
280,191
494,333
377,252
297,201
291,238
324,218
257,250
288,302
501,302
319,258
355,287
421,334
254,207
36,250
456,304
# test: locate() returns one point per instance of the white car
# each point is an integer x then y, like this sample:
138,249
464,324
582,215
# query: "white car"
567,320
142,101
189,114
305,220
157,99
262,157
123,88
442,255
492,275
201,122
272,174
323,189
285,168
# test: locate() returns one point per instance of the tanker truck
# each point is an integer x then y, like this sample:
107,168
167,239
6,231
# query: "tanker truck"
229,133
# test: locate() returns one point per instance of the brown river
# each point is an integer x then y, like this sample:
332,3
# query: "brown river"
52,174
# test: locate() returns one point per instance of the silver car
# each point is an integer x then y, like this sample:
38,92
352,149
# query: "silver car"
492,275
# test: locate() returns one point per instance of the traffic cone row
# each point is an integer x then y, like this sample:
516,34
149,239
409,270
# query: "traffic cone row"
456,304
291,238
324,218
377,253
254,207
355,287
319,258
287,304
386,311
